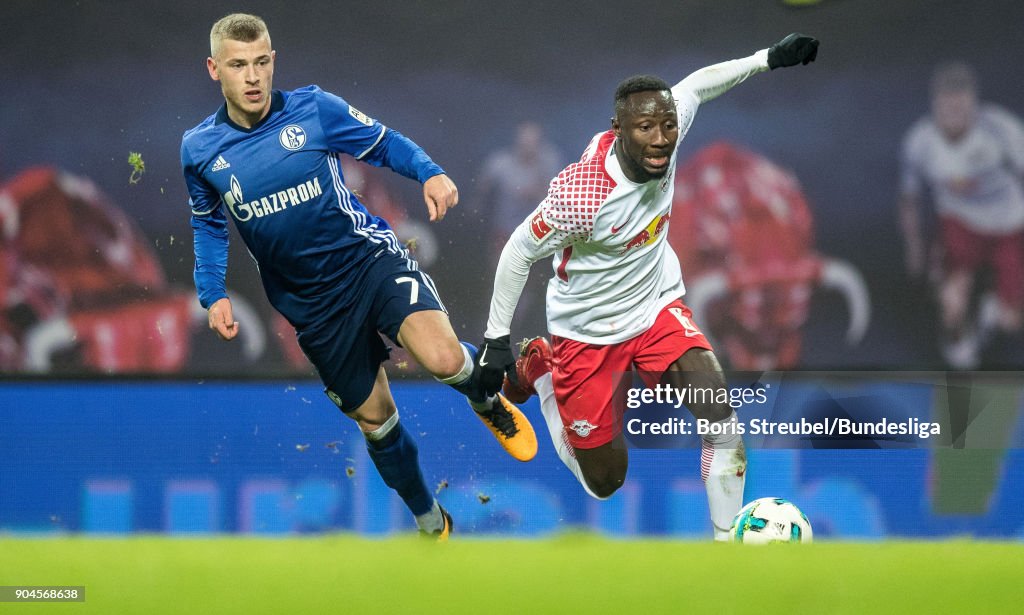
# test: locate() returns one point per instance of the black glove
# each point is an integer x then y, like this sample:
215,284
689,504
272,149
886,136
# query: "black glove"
792,50
494,360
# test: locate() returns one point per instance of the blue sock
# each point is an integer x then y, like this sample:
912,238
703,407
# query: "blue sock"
463,381
395,454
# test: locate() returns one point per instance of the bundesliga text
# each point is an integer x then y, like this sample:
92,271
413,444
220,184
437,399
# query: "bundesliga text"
825,427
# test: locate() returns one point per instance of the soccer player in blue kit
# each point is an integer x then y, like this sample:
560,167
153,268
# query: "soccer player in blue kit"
333,269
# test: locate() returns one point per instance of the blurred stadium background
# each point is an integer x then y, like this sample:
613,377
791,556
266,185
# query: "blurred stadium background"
120,414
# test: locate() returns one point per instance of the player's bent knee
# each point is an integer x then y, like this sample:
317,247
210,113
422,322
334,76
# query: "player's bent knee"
429,337
605,488
699,368
603,469
605,484
445,360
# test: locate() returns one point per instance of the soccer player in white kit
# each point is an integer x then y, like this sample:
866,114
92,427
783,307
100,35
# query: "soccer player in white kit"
969,158
614,303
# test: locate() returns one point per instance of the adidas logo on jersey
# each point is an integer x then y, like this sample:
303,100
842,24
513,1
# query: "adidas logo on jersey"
220,164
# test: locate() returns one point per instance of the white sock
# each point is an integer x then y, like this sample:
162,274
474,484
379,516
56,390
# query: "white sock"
431,521
549,408
723,468
463,375
484,406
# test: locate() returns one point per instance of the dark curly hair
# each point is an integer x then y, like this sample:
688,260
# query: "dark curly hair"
637,83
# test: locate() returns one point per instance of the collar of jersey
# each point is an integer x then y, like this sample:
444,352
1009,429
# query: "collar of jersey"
614,167
276,104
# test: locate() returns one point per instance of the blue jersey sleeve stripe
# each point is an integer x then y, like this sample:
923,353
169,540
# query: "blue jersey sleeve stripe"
366,151
429,283
391,239
359,219
345,198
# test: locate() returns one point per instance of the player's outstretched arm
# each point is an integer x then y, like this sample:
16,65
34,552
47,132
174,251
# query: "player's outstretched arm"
440,194
713,81
222,320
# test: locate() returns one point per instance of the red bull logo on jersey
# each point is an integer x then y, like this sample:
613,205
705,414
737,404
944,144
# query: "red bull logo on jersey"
648,235
272,203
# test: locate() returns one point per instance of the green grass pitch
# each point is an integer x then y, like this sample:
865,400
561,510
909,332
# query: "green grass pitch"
575,573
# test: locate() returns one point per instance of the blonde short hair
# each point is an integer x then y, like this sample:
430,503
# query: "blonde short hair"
237,27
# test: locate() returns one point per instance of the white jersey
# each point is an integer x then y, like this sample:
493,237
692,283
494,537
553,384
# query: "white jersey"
614,267
976,180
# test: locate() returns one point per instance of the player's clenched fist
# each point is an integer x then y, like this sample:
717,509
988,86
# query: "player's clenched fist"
440,194
494,360
792,50
222,320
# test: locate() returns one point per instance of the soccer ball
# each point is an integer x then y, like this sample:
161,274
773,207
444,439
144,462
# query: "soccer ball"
770,520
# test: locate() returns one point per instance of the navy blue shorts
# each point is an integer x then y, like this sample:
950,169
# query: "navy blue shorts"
347,349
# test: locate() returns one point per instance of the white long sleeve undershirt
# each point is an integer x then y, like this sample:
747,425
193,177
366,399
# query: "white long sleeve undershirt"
509,281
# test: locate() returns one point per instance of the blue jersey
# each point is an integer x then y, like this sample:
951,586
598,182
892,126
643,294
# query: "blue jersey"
281,181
